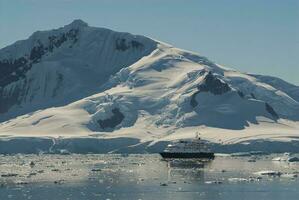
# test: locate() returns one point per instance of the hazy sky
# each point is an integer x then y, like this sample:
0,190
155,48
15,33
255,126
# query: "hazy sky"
256,36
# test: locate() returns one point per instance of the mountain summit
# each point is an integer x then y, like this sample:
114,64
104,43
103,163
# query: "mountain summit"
77,23
82,81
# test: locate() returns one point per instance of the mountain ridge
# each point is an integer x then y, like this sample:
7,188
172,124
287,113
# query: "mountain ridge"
48,47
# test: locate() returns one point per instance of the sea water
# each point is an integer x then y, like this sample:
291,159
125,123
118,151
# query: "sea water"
144,176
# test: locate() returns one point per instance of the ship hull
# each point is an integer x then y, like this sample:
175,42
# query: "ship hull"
199,155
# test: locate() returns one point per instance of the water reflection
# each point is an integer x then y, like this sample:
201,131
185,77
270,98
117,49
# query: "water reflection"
185,170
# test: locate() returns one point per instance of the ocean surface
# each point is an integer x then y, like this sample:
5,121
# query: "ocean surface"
89,176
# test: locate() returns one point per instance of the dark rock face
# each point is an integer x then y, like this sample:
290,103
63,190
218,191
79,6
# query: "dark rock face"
241,94
271,111
13,70
193,101
113,121
253,96
121,44
7,101
59,80
136,44
214,85
56,41
37,52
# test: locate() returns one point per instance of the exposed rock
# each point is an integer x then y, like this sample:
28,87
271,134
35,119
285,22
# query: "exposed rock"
121,45
113,121
193,101
15,69
136,44
12,70
271,111
214,85
252,95
55,41
8,100
37,52
241,94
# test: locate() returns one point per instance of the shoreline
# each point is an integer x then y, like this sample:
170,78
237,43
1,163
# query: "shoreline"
127,145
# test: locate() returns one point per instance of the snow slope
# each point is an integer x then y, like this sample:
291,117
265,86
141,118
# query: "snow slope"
135,95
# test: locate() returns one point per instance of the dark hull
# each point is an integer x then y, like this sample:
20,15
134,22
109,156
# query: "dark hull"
203,155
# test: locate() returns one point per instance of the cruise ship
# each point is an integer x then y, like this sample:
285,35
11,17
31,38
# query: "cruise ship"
187,149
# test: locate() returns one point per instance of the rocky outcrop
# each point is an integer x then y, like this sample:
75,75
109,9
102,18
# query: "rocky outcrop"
193,101
13,70
113,121
271,111
122,44
56,41
241,94
214,85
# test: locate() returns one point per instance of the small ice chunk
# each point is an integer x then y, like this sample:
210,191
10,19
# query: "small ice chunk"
32,174
289,176
240,154
96,170
251,160
21,182
238,180
64,152
59,181
286,158
9,175
32,164
293,159
279,159
213,182
269,173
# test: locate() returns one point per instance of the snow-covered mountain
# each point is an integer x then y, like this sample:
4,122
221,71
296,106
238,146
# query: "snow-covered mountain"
60,66
81,81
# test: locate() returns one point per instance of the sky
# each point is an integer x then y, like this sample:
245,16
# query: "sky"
254,36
